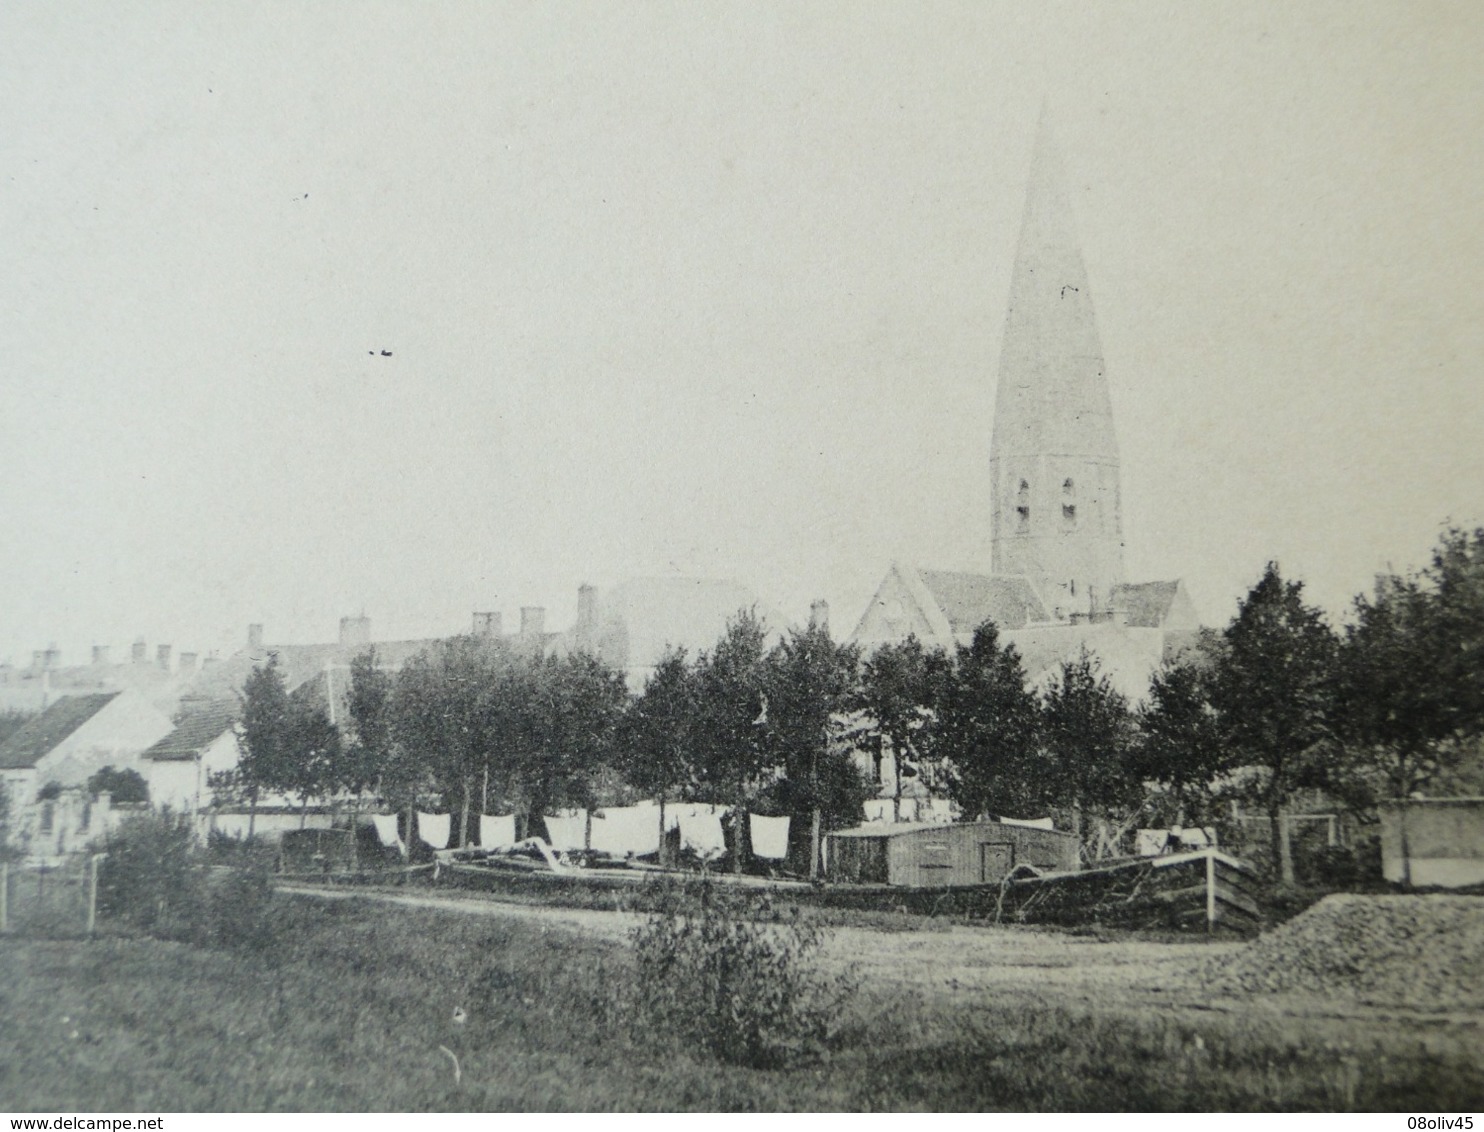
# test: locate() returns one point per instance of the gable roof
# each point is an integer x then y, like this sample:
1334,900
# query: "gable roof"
37,738
969,600
194,733
1147,604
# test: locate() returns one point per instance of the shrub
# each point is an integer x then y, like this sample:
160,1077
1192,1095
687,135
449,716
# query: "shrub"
240,902
741,983
152,878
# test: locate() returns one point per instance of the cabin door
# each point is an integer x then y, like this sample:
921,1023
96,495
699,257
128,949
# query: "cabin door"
996,859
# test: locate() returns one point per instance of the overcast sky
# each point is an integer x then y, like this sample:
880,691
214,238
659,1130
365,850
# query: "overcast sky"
708,288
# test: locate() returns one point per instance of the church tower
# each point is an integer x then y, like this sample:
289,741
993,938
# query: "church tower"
1053,457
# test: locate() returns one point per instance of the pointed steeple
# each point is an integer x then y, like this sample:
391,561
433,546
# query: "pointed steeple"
1053,455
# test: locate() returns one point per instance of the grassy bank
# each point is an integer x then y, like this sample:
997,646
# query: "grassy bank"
347,1006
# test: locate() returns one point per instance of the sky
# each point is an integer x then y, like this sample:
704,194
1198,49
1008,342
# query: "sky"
309,310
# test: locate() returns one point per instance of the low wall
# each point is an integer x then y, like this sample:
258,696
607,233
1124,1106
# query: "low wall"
1433,842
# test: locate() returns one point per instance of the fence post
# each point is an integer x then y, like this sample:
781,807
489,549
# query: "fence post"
93,892
1210,891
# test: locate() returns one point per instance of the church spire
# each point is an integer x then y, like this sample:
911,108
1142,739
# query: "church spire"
1053,455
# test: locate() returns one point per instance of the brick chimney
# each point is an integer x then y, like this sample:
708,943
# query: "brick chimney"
38,659
819,614
487,624
100,654
255,635
138,652
532,621
162,657
52,658
355,630
188,662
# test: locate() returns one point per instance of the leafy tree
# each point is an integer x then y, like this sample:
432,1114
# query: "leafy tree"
567,725
124,785
1086,732
369,750
810,681
1411,678
988,731
1273,690
263,735
902,688
1178,745
656,733
441,718
312,747
732,710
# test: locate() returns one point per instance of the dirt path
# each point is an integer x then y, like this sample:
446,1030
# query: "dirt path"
955,959
966,964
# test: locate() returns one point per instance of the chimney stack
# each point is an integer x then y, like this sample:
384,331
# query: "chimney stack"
355,630
162,657
532,621
188,662
52,658
255,635
587,614
100,654
137,651
819,614
487,624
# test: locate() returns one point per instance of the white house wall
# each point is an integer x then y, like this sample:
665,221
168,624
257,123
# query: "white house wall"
116,736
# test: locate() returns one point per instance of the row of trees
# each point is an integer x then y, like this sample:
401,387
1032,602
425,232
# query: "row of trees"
1275,702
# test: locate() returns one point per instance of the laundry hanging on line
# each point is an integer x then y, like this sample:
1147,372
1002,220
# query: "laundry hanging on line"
566,832
701,833
769,836
386,831
432,829
627,830
496,831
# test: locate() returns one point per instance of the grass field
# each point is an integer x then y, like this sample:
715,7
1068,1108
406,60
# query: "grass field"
346,1006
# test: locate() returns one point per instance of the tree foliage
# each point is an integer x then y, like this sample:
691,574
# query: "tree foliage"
1086,737
125,785
989,730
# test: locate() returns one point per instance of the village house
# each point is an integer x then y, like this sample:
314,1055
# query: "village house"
46,764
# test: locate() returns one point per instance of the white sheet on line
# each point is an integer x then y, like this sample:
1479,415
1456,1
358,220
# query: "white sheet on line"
386,830
624,830
701,833
496,831
433,829
769,836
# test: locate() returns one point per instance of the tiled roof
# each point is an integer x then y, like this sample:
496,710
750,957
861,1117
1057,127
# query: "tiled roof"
969,600
1147,604
41,735
195,732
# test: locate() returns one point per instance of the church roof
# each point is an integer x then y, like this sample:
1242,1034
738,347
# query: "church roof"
1146,605
969,600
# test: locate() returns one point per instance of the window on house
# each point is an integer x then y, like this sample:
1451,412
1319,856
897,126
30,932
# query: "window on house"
47,816
1022,519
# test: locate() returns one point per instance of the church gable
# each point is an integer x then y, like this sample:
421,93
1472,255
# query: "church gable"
903,607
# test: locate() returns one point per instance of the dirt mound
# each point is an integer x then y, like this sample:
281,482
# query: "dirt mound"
1425,952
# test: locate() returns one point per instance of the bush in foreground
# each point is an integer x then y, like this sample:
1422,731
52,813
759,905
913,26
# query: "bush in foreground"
156,879
738,981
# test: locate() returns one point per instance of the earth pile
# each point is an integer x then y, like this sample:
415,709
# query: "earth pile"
1425,952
